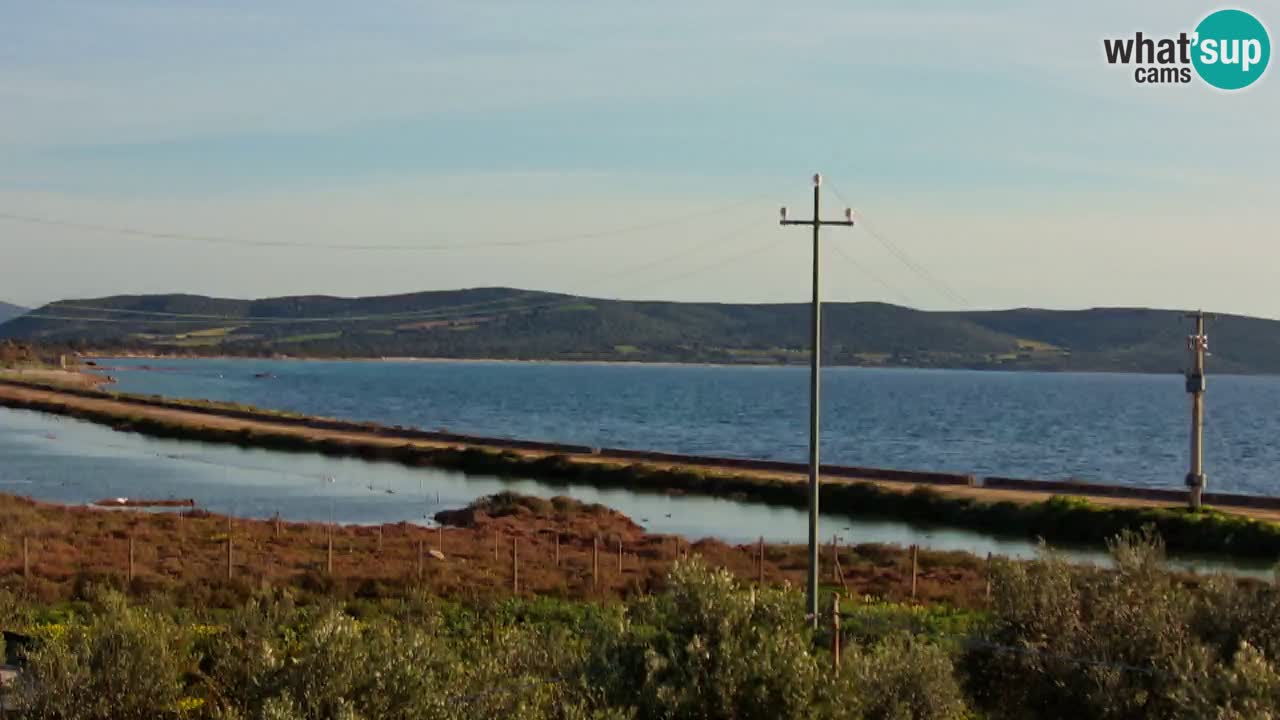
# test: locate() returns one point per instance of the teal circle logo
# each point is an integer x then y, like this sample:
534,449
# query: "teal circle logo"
1232,49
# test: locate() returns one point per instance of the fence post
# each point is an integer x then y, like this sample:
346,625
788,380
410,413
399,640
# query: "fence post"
915,568
837,573
277,524
329,556
379,539
835,576
760,561
515,565
595,562
439,538
230,546
497,537
619,556
131,558
988,573
835,631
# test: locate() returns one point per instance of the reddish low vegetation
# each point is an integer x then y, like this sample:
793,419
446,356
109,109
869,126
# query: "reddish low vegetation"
554,543
524,516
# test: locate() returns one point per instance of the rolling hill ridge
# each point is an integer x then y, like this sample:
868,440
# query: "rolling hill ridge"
518,324
9,311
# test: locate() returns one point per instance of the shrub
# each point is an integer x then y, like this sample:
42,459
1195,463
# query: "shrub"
706,648
281,662
121,664
900,678
710,648
1136,642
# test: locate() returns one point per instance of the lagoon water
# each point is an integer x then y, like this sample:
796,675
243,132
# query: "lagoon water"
1113,428
57,459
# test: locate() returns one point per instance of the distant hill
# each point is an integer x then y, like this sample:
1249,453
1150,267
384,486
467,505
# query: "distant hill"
8,312
519,324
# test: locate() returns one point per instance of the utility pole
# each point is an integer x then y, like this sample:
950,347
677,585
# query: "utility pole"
1198,344
815,365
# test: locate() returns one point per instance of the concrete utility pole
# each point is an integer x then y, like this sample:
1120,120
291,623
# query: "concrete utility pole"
815,364
1198,344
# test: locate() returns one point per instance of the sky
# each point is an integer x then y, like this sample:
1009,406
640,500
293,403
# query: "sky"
635,150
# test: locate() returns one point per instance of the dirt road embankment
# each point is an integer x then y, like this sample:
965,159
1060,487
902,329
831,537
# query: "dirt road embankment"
1054,511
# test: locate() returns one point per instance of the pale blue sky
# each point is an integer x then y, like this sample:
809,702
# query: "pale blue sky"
992,143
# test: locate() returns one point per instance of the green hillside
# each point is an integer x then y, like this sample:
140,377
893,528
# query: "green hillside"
518,324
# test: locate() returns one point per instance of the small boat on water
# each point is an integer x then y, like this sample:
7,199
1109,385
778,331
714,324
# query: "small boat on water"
263,375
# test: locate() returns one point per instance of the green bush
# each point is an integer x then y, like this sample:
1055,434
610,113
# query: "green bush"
1076,642
123,663
324,664
706,648
710,648
902,677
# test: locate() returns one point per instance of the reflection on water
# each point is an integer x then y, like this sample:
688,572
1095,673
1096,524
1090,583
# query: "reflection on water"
63,460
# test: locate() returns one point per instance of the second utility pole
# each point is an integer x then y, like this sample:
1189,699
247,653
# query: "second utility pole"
1198,344
815,365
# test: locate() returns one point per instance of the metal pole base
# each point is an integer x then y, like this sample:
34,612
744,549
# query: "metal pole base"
1196,482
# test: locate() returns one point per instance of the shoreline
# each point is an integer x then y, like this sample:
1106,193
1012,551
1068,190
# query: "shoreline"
1058,513
489,361
647,363
81,378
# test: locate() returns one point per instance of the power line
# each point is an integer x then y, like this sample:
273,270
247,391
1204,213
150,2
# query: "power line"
475,310
898,252
249,242
749,252
684,252
875,277
919,269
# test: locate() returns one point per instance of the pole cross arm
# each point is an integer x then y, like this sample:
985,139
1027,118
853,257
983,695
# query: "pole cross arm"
819,223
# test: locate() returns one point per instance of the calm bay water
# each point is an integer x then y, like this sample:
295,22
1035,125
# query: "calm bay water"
1115,428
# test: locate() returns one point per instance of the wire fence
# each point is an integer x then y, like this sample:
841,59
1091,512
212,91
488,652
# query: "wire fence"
193,545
